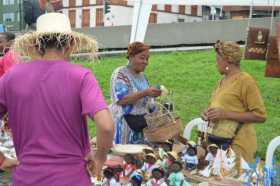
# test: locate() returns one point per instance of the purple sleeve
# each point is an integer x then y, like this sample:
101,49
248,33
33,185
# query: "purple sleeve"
3,108
91,96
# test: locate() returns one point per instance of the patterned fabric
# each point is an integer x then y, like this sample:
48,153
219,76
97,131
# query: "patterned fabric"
124,83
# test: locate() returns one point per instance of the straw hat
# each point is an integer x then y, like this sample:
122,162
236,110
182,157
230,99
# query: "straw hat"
148,150
192,144
151,155
212,145
57,27
173,154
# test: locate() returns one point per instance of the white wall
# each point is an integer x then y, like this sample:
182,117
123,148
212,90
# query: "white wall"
65,3
65,11
173,18
79,18
92,21
166,17
188,10
199,10
120,16
79,2
160,7
175,8
92,2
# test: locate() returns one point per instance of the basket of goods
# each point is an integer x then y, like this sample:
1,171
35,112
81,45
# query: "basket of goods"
162,124
163,132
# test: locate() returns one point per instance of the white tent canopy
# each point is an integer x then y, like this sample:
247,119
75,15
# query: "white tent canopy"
142,9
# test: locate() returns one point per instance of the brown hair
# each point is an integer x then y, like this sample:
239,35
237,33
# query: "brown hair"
136,48
229,51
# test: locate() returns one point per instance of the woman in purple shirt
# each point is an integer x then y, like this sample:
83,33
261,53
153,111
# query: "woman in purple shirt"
48,100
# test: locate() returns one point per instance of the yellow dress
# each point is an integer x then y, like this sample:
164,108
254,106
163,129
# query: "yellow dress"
240,93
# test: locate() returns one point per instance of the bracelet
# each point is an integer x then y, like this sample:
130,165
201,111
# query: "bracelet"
2,161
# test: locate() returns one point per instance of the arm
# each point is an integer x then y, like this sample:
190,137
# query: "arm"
104,141
105,134
6,163
242,117
104,130
245,117
134,97
251,99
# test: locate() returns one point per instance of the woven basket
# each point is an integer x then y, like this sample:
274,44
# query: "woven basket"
163,133
159,118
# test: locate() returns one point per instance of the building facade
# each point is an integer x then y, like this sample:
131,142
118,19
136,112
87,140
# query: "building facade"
91,13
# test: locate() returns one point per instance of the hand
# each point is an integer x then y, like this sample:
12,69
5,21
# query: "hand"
204,115
216,114
95,162
9,164
152,92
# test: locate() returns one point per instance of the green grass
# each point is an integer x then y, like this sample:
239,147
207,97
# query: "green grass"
192,76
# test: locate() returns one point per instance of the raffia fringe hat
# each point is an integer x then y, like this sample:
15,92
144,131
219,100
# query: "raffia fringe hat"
55,26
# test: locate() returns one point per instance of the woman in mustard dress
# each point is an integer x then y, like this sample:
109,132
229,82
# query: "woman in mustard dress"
236,103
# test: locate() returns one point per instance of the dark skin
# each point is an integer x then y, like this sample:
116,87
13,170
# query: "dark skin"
213,114
157,175
4,44
138,64
150,160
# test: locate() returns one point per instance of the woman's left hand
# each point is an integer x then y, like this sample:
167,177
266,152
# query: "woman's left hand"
216,114
8,164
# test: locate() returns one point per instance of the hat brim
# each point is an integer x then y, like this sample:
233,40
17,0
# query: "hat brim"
26,44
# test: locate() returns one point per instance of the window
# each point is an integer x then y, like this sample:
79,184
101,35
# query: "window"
194,10
8,2
118,2
181,20
99,2
153,18
99,17
72,3
182,9
72,17
85,2
85,18
167,8
8,17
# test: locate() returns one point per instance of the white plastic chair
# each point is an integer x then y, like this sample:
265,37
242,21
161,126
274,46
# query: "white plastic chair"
270,151
195,123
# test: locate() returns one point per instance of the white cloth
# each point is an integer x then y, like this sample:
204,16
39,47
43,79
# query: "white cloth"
209,157
111,182
147,168
190,159
154,182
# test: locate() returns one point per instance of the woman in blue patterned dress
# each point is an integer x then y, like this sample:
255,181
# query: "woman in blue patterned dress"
131,93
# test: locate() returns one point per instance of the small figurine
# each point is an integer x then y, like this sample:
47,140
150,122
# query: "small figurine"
176,176
149,165
136,180
190,157
129,165
157,178
109,178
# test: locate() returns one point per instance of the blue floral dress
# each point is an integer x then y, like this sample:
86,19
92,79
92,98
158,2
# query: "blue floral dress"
124,83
